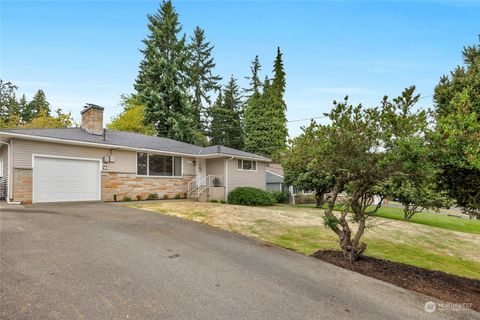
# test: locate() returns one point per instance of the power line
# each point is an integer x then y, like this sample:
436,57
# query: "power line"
305,119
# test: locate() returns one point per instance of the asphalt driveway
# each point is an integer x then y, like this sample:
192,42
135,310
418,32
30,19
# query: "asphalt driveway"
100,261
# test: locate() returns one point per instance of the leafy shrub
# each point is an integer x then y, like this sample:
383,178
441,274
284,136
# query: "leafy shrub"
304,198
165,196
139,197
127,198
178,196
115,197
249,196
223,201
214,201
281,196
152,196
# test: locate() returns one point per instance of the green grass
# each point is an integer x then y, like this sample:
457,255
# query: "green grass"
416,252
430,219
300,228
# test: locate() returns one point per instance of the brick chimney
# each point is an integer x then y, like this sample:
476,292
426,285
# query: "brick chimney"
92,119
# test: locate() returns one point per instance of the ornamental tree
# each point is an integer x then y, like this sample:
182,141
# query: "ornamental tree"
358,152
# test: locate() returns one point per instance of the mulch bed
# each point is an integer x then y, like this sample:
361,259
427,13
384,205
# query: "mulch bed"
444,286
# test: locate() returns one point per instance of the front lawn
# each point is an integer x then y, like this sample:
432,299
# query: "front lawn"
301,229
439,220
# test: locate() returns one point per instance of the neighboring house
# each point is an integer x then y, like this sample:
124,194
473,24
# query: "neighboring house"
275,182
90,164
274,177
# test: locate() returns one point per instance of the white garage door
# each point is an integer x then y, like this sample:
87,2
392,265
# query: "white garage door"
60,179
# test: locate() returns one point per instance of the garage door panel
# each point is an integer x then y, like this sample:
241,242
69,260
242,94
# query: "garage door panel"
58,179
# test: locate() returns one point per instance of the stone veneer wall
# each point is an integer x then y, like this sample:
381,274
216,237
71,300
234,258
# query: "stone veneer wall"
22,185
121,184
128,184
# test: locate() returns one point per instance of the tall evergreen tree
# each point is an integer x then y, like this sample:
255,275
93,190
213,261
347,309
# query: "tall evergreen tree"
38,105
255,83
254,116
26,112
265,120
161,83
216,115
8,102
279,107
279,82
226,124
201,78
457,134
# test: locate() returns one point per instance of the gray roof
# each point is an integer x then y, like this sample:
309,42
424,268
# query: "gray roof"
273,178
133,140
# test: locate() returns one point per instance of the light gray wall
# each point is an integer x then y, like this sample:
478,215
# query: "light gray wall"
4,178
242,178
215,167
125,161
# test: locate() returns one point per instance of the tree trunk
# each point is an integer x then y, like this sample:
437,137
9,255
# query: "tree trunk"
351,251
319,198
353,248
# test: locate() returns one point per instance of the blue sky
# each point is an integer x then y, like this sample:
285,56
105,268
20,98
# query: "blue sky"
87,51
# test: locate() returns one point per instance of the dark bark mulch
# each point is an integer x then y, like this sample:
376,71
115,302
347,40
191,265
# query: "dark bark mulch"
444,286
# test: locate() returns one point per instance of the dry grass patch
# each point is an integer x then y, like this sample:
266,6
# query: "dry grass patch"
302,230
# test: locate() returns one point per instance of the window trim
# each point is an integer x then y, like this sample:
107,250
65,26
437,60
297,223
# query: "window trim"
248,170
1,168
148,166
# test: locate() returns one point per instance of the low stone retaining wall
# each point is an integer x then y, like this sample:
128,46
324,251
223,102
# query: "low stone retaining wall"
129,184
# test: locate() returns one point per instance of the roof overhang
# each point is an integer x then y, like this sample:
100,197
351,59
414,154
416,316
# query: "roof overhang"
4,136
274,173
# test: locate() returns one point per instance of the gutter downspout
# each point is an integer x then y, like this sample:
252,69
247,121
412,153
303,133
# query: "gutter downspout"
226,178
10,172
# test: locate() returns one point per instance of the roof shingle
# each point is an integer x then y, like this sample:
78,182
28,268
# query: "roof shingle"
133,140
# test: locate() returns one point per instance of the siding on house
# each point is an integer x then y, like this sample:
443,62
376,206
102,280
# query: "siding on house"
215,167
242,178
125,161
4,175
4,158
274,181
277,186
187,167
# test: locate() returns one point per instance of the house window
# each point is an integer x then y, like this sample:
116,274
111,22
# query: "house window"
248,165
1,168
158,166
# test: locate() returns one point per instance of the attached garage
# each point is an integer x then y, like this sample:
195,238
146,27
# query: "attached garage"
58,179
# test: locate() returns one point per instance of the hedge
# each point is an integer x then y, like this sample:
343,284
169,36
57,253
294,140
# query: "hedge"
248,196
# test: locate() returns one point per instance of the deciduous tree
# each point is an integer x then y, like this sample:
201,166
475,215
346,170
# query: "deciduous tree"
132,118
